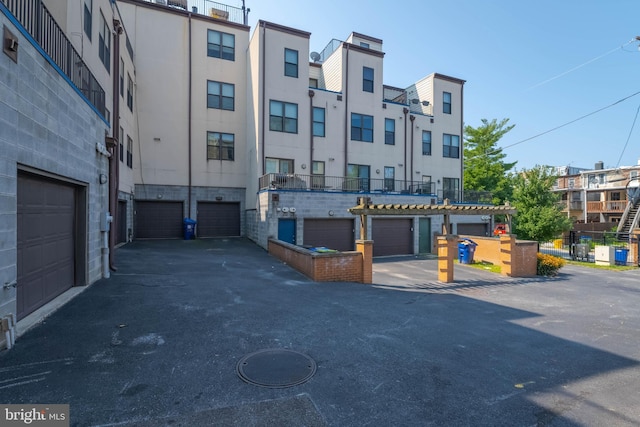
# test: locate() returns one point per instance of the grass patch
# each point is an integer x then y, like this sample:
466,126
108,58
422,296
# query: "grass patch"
602,267
486,266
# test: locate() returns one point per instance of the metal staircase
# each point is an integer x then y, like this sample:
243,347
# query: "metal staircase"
629,219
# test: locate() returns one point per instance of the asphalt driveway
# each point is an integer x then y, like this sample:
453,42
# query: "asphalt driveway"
159,343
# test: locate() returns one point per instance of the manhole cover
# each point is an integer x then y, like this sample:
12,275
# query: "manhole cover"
276,368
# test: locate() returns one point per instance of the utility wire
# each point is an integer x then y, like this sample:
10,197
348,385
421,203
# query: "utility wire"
559,127
628,137
582,65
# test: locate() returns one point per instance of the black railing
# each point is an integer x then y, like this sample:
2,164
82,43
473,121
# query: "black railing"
209,8
38,22
297,182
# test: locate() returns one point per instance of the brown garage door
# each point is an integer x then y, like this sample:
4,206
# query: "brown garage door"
218,219
46,247
472,229
336,234
158,220
392,236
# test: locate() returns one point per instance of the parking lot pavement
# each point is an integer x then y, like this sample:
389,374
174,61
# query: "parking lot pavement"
159,344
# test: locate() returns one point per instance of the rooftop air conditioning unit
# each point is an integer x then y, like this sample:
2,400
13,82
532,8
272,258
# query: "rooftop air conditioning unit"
219,14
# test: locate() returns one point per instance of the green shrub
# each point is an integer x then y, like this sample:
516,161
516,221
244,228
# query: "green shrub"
548,265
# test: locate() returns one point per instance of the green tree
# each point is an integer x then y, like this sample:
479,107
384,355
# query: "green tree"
485,168
539,214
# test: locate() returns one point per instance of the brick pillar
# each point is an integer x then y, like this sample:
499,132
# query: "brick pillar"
365,247
447,250
507,246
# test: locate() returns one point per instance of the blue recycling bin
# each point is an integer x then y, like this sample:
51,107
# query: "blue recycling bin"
466,249
189,229
620,256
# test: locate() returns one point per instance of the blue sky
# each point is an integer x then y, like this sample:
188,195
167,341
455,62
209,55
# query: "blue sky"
540,64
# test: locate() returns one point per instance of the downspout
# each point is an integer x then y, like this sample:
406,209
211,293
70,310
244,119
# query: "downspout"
264,102
345,92
405,111
114,160
411,118
462,144
311,95
189,124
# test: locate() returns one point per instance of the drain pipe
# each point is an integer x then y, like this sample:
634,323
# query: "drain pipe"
405,111
411,118
345,91
263,101
189,123
311,95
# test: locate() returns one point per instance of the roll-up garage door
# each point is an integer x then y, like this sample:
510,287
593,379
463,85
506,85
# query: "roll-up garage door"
476,229
218,219
158,220
331,233
46,214
392,236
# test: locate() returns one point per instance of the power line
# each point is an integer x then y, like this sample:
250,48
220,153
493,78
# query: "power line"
582,65
628,137
559,127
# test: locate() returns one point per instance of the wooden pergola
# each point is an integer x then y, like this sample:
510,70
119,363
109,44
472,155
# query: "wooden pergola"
366,207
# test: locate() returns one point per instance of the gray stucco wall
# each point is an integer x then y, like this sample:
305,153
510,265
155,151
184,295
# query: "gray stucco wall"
48,128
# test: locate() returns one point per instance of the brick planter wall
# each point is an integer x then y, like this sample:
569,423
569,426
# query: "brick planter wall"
320,267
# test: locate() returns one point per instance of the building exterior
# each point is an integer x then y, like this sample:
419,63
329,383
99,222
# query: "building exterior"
597,195
150,112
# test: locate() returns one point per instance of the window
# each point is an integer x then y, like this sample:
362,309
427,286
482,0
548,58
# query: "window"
446,102
313,83
357,178
389,178
427,186
451,189
104,43
571,183
278,165
389,131
451,146
129,152
633,175
121,78
317,175
361,127
283,117
290,63
220,95
426,142
121,138
88,17
221,45
129,92
367,79
220,146
365,45
318,121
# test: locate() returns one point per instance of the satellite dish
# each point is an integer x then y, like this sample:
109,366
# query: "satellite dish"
315,56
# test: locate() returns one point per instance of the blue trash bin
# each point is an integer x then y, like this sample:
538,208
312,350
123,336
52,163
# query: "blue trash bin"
466,249
189,229
620,256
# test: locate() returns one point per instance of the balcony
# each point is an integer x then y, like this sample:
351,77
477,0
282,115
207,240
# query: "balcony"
208,8
607,206
340,184
38,22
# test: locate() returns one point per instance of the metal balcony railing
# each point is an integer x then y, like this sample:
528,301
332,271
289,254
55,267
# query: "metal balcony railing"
208,8
297,182
38,22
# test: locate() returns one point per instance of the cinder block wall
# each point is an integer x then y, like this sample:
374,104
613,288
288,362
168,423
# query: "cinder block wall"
332,267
